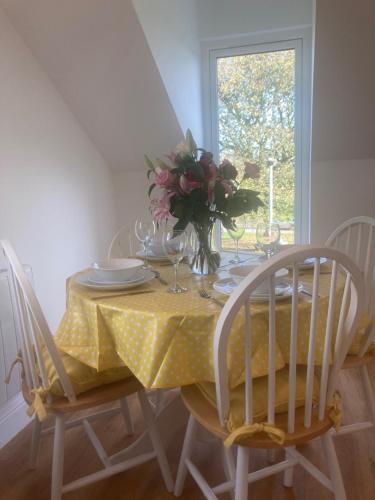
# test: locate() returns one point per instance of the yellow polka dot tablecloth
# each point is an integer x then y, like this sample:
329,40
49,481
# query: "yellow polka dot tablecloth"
167,339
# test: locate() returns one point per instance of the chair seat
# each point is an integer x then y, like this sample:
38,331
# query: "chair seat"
206,414
83,377
354,361
260,394
89,399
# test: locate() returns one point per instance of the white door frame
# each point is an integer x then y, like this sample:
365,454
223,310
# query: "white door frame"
299,39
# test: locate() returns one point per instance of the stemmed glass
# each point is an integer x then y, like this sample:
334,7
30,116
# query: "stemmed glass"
145,233
268,235
236,234
174,245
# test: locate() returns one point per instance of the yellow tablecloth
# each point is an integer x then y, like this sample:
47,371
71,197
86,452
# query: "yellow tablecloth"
166,340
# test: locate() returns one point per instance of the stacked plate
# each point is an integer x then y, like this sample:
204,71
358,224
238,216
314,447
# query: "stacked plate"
283,287
155,252
283,290
115,274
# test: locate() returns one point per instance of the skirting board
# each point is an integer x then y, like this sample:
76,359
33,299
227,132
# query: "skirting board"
13,418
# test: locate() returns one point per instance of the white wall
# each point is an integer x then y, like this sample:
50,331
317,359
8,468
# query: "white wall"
343,140
341,189
219,18
171,29
97,57
56,192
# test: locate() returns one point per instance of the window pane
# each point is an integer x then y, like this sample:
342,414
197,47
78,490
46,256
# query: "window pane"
256,104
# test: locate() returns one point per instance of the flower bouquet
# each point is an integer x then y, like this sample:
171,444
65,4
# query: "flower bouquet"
194,190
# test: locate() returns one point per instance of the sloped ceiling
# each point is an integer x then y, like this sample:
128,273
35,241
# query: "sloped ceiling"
96,54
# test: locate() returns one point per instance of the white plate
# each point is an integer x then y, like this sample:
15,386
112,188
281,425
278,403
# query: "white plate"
84,279
309,263
96,281
160,258
283,290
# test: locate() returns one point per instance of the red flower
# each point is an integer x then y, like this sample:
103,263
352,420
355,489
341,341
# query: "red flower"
227,170
251,170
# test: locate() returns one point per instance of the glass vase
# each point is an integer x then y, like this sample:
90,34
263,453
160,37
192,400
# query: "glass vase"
205,261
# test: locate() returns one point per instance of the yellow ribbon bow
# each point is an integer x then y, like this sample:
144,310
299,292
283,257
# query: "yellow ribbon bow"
37,406
335,410
274,433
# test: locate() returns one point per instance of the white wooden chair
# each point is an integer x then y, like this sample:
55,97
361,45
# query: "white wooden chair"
36,338
313,419
356,237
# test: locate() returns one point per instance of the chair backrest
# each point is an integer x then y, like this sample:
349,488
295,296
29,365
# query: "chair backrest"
356,238
124,243
34,331
348,316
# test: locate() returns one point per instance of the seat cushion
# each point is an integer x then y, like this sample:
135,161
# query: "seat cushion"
364,326
82,377
260,394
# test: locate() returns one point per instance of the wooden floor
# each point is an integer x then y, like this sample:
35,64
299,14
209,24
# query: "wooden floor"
356,454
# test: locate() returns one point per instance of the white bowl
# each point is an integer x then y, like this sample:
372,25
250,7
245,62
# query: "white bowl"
238,273
156,247
116,269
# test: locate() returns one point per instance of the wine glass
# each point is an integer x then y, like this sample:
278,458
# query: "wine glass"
236,234
145,233
268,235
174,245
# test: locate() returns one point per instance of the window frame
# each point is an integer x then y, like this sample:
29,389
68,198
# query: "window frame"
299,39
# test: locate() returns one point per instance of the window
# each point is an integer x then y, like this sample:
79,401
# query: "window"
258,108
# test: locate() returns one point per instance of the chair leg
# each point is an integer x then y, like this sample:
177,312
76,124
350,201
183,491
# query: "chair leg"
242,472
58,459
156,441
334,467
127,417
187,448
35,443
370,398
229,466
288,474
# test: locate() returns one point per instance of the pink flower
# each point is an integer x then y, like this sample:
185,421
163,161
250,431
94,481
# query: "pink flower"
164,178
251,170
162,207
172,157
182,148
187,185
227,170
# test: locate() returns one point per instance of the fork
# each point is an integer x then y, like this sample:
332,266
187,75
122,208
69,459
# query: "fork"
205,295
157,275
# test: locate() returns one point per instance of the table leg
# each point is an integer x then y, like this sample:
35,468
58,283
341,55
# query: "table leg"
171,417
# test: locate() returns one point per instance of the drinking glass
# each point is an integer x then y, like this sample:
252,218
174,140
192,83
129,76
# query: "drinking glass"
236,234
145,233
174,245
268,235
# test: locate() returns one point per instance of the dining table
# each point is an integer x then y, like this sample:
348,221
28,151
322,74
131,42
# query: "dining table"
166,339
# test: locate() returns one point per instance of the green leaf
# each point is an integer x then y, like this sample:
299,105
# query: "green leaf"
192,145
219,196
150,189
149,163
181,224
242,202
196,169
162,164
226,221
149,172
